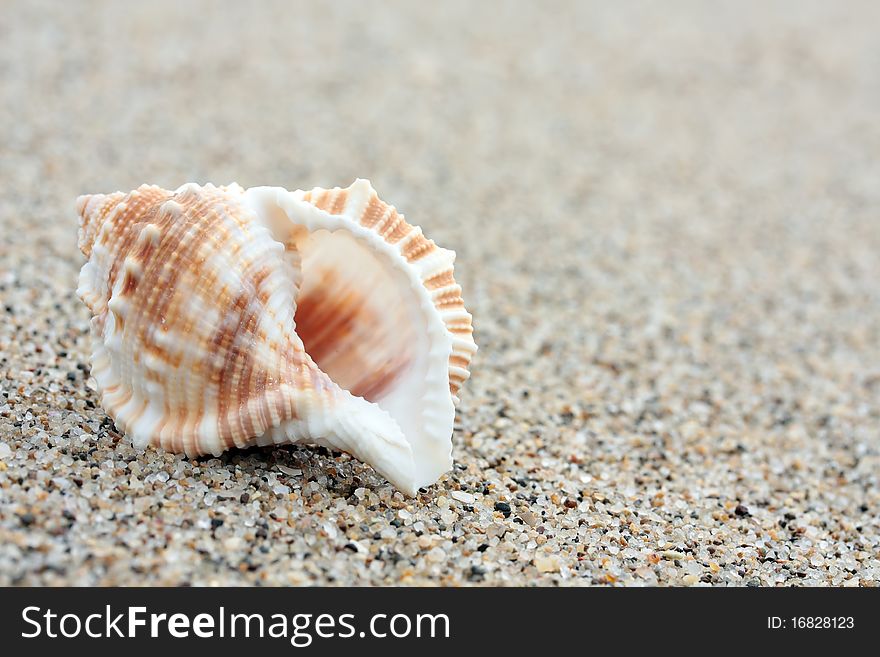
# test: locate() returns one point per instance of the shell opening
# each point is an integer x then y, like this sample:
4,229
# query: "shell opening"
364,325
351,317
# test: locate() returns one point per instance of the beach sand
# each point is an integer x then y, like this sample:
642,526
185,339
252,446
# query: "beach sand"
667,231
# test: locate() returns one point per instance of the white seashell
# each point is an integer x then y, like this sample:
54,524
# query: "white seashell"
228,318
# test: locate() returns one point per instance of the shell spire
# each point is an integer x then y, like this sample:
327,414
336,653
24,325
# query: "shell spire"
228,318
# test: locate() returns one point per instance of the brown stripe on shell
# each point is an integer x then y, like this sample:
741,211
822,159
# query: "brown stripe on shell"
459,328
325,200
442,279
339,202
129,283
449,300
396,228
418,248
374,212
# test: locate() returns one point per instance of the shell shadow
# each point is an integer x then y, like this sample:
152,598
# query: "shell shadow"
337,473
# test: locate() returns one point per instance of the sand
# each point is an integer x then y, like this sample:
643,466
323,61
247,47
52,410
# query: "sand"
666,226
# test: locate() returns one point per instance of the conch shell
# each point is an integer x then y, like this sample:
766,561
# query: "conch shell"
225,317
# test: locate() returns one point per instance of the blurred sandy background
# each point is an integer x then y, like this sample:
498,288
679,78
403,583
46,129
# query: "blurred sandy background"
666,219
